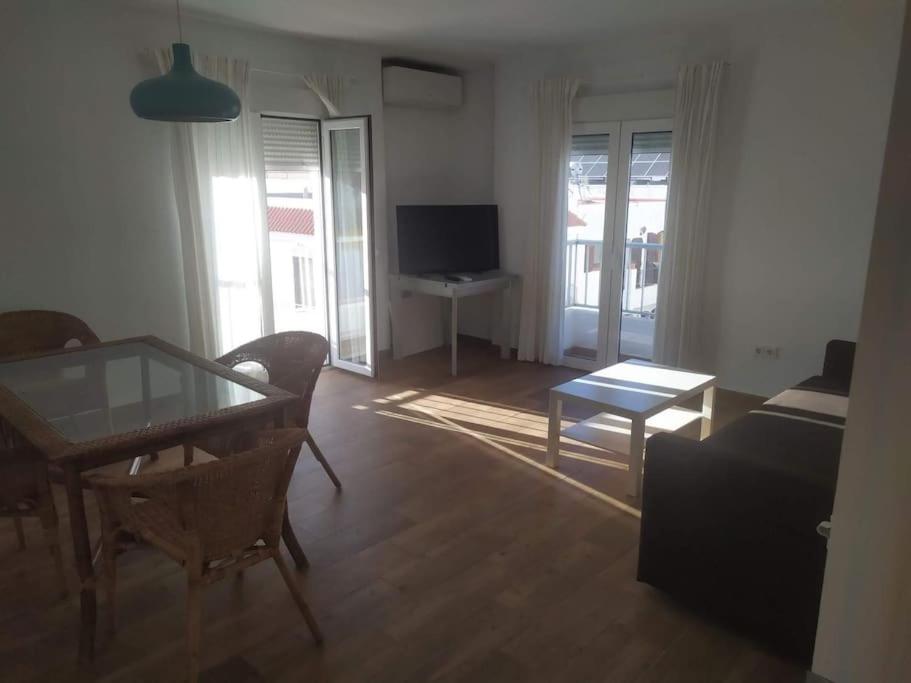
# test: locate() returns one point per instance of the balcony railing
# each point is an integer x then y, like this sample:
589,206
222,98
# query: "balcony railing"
638,299
640,276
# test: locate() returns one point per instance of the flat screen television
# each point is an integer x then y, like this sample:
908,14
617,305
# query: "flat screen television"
448,239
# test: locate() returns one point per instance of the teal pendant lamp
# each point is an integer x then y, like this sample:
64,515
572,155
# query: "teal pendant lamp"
182,94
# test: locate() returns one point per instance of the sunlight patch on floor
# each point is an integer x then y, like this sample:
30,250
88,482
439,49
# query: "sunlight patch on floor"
432,421
476,420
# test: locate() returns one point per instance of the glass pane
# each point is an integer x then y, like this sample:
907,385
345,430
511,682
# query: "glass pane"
350,244
116,389
650,163
587,196
294,217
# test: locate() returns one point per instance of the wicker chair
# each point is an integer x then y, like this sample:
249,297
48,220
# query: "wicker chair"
24,489
293,361
35,331
23,332
25,492
216,519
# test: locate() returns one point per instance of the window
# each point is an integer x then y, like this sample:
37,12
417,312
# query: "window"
645,201
304,283
589,202
291,155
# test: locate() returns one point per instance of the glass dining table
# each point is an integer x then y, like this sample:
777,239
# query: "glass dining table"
90,406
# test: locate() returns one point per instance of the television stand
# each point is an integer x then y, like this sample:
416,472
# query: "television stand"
442,286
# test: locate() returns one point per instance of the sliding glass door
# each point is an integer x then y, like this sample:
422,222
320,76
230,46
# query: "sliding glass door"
349,248
616,198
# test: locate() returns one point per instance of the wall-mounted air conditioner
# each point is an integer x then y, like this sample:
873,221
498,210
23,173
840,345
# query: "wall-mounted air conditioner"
409,87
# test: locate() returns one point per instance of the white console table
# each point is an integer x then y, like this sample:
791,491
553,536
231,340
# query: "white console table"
437,285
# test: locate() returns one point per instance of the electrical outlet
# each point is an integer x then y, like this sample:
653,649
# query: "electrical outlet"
767,352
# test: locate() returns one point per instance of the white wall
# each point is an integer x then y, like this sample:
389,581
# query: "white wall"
89,224
865,617
441,157
804,118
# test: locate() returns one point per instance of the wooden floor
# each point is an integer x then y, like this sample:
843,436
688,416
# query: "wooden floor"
447,557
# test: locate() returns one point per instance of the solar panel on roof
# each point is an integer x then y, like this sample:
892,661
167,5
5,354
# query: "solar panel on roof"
649,158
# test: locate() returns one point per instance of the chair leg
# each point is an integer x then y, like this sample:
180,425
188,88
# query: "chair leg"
293,545
291,582
193,626
52,538
318,454
20,534
109,557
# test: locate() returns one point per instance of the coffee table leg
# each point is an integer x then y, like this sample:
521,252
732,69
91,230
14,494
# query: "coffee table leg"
553,431
708,410
636,452
83,551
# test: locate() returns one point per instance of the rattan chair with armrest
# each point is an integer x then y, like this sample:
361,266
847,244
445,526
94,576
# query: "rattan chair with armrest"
26,492
215,519
293,361
26,332
24,489
35,331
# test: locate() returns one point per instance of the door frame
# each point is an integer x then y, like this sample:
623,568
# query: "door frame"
259,162
362,123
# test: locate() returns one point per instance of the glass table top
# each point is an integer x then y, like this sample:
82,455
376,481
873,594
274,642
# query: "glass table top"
103,391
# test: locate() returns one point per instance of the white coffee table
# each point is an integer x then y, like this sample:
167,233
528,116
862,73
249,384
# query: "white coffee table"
638,399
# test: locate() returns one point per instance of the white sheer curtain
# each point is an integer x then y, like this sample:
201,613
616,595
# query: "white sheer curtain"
679,321
329,91
220,216
540,328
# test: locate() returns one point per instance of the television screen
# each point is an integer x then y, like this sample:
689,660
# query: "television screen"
448,239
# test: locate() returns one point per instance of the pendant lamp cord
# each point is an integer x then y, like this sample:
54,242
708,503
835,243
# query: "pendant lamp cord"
179,23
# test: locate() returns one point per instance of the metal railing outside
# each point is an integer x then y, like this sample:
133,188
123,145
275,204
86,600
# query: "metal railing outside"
584,258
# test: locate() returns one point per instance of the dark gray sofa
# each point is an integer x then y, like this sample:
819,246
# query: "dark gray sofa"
729,523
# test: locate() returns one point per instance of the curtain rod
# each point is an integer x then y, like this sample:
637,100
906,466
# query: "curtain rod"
297,77
276,73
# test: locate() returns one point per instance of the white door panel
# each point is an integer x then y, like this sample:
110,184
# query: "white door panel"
349,244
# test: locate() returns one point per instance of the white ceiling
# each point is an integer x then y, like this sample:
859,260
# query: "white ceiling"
478,27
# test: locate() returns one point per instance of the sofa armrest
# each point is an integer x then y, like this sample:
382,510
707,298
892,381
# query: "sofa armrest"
839,362
734,537
688,477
